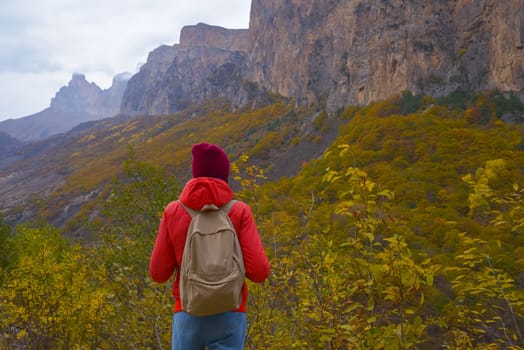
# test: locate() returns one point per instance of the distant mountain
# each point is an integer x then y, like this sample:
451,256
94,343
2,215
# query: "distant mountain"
73,104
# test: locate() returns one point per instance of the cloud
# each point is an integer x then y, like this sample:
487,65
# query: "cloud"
24,92
46,40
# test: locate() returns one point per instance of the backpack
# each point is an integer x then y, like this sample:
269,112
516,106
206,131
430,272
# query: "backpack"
212,269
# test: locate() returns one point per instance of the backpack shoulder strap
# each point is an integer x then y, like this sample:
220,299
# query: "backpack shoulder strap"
191,212
227,207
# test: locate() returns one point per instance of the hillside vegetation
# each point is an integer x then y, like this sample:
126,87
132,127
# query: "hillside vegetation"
398,225
91,158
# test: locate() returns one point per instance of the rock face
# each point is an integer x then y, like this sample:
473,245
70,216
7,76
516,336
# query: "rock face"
352,52
73,104
339,52
209,62
146,80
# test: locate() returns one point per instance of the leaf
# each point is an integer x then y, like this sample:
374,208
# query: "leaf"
21,334
429,279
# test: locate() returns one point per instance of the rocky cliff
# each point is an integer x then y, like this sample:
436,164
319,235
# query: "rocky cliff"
346,52
78,102
146,80
209,62
340,52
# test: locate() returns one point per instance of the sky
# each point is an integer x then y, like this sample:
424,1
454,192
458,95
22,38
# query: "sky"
44,42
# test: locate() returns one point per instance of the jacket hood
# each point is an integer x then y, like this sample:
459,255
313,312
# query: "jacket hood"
200,191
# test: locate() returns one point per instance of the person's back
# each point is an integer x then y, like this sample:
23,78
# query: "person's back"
209,186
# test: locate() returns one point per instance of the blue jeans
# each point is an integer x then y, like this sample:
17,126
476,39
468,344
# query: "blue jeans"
225,331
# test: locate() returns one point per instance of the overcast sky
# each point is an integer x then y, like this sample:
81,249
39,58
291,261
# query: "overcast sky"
43,42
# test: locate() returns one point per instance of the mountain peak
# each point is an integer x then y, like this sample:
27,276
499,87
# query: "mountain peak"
206,35
78,95
78,76
77,102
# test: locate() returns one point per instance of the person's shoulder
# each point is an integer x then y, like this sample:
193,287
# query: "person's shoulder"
172,207
240,207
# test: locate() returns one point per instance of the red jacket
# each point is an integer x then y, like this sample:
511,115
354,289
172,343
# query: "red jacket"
171,238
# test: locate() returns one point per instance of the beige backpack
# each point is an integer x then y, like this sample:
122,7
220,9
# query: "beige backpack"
212,269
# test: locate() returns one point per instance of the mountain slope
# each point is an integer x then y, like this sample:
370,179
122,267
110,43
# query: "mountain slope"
44,124
70,170
64,176
8,143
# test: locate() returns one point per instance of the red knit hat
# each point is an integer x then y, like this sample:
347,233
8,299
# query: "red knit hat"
210,161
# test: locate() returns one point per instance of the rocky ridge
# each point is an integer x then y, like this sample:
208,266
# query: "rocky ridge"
341,52
209,62
331,52
78,102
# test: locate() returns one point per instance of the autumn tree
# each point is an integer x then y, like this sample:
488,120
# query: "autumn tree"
50,296
141,316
